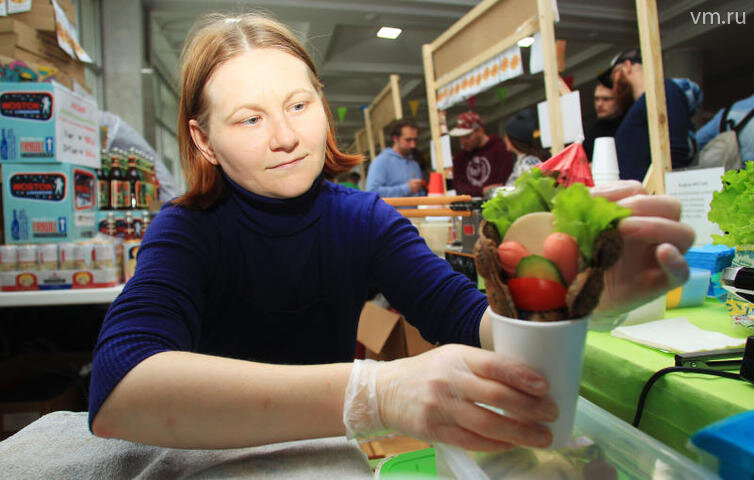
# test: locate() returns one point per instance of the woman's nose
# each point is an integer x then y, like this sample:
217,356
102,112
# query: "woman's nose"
283,136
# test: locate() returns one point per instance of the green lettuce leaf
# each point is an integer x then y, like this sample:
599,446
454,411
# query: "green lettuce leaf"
733,207
584,217
534,193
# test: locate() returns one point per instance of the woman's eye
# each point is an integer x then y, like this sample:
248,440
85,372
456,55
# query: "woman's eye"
251,121
297,107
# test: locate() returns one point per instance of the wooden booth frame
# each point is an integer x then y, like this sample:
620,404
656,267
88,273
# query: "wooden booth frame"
466,45
385,108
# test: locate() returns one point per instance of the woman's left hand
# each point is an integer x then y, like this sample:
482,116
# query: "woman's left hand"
654,242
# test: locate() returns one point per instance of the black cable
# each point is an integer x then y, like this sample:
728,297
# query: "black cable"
660,373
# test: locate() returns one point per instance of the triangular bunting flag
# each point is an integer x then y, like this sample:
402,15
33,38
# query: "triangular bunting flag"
342,113
414,105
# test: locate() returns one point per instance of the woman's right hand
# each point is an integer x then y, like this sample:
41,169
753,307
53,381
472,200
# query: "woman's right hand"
433,396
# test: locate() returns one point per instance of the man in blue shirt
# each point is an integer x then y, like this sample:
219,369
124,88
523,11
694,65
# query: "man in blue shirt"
394,172
626,77
735,118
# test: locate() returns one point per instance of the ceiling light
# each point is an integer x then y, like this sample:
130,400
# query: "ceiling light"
389,32
526,42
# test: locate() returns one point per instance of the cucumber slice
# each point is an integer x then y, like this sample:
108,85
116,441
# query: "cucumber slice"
535,266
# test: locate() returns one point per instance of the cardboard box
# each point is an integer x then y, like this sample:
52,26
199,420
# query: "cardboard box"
48,203
42,14
18,35
46,122
386,335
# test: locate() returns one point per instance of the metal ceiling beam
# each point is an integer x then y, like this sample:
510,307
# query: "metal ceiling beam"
345,68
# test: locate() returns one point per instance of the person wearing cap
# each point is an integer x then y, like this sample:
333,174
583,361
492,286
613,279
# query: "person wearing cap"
626,77
609,115
522,138
394,172
483,161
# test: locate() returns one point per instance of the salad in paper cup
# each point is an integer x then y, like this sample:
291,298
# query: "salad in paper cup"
543,248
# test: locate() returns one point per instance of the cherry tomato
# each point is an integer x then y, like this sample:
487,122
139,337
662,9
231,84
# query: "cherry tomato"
537,294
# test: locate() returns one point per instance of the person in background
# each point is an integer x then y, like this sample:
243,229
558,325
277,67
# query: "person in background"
522,138
394,172
483,161
738,116
351,179
609,116
239,325
625,76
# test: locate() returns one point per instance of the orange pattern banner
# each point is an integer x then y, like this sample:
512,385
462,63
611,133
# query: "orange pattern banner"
496,70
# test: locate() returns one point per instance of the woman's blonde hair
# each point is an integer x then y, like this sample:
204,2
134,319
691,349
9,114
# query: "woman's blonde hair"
214,40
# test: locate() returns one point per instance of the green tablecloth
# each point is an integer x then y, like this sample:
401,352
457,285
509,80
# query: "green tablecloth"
678,404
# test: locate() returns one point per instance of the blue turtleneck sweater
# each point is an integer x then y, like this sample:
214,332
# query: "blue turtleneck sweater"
277,281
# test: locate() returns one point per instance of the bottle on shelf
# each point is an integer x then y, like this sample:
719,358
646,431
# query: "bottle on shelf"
118,184
103,182
135,184
129,226
110,224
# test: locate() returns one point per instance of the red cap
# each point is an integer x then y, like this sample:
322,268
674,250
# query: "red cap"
466,123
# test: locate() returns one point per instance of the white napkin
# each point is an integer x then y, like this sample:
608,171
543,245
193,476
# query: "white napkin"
677,335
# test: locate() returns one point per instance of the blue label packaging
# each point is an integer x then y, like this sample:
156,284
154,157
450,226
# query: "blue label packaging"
48,203
46,122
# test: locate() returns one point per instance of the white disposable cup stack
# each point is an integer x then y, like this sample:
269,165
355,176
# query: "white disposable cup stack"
556,351
605,161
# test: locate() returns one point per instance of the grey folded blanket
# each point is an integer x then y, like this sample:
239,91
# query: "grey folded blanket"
59,445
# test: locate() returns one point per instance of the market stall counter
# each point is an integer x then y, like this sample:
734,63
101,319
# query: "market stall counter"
678,404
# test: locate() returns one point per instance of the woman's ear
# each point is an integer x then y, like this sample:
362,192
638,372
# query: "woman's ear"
201,140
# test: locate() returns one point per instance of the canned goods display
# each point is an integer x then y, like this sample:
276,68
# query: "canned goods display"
48,256
8,258
104,255
66,255
27,258
82,255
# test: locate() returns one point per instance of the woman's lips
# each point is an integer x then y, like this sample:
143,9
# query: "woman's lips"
288,164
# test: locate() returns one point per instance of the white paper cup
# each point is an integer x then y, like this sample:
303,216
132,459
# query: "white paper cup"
556,351
604,160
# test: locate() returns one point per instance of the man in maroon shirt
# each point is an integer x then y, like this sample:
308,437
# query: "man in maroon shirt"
483,161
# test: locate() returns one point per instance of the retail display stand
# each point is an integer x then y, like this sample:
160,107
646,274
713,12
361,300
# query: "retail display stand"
385,108
466,45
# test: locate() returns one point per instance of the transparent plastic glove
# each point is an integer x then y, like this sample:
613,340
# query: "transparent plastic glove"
434,396
361,416
654,242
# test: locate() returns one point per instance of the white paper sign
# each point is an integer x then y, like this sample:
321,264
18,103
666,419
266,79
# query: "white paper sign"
570,109
67,35
18,6
536,57
3,8
447,155
694,188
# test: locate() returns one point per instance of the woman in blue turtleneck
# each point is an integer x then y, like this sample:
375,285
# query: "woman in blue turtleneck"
239,325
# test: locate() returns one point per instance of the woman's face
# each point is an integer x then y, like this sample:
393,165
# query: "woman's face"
267,127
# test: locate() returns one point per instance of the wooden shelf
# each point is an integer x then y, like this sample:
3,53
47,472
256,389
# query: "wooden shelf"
59,297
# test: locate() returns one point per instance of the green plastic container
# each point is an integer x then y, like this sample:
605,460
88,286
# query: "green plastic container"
418,464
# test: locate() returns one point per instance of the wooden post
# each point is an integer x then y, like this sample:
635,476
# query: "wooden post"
434,118
654,89
395,89
547,31
370,139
